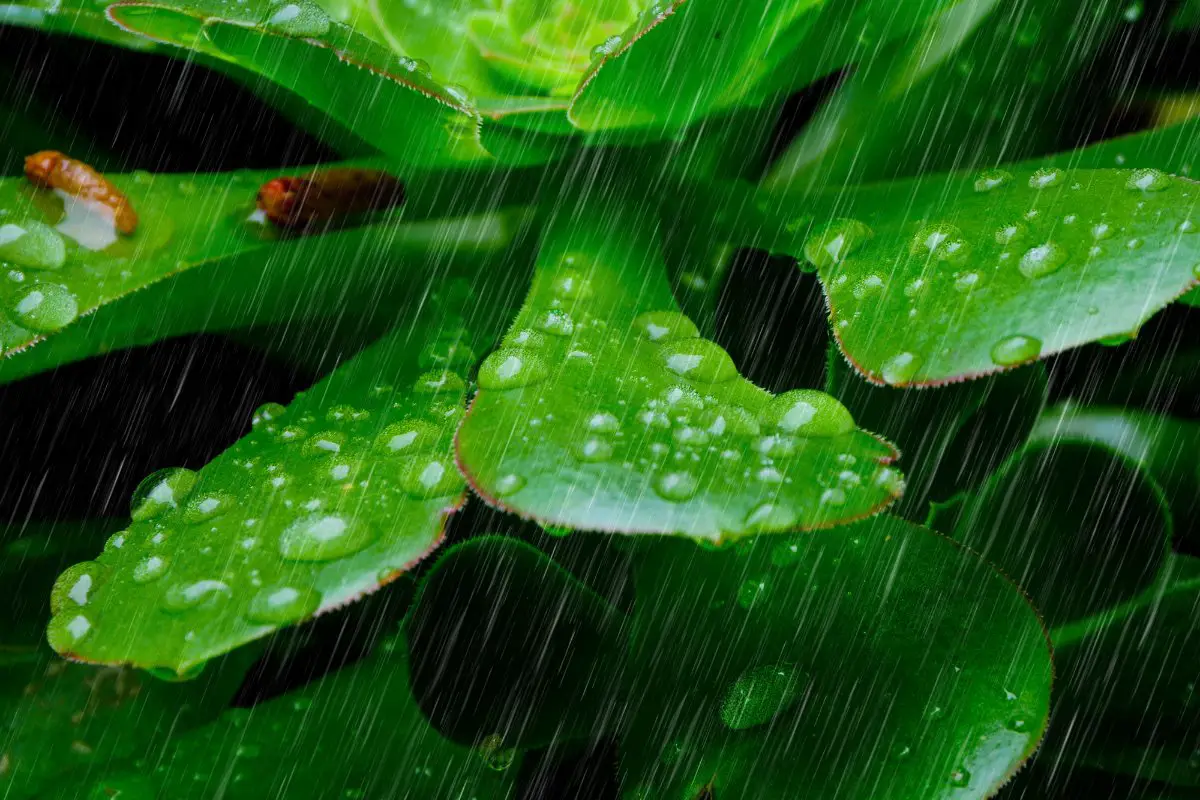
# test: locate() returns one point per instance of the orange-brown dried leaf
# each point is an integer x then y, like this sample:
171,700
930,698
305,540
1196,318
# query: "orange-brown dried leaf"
50,169
326,196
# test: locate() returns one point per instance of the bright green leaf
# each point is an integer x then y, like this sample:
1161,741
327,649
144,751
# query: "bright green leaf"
388,100
604,410
877,660
322,502
942,279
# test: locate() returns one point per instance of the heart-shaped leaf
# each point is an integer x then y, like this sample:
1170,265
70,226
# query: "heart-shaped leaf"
604,410
324,501
745,664
354,733
390,101
995,270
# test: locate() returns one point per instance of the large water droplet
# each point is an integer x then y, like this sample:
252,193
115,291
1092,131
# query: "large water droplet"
302,19
77,585
676,487
941,242
808,412
732,420
770,517
160,492
603,422
150,569
67,630
33,245
1148,180
900,369
594,450
836,242
1043,259
698,360
1017,349
992,179
430,477
406,437
281,605
323,537
665,326
508,485
46,307
203,593
1045,178
760,694
511,369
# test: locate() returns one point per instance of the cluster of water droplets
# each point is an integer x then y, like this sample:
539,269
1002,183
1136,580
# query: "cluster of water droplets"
658,400
1043,241
260,533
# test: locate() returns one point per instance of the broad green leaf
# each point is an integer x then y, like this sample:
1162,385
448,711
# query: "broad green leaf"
322,502
353,734
877,660
1166,447
604,410
955,437
83,18
942,279
317,277
61,718
388,100
1078,527
482,611
709,56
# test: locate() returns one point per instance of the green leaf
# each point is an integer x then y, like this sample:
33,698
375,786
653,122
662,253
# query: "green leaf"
948,278
84,18
1166,447
604,410
354,733
322,502
1077,526
710,56
390,101
61,718
877,660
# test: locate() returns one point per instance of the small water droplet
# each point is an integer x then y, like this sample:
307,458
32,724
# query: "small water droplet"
676,487
1042,260
594,450
265,414
407,437
556,322
665,326
511,368
991,179
699,360
198,594
508,485
1010,233
808,412
77,585
1148,180
1045,178
769,517
836,242
900,369
940,242
606,48
301,19
960,777
323,537
206,506
760,694
160,492
281,605
67,630
603,422
150,569
439,382
751,592
433,476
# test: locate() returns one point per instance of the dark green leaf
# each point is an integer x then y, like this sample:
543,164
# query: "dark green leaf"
604,410
947,278
878,660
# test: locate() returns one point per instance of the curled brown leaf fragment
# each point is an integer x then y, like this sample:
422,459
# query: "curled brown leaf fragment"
326,196
50,169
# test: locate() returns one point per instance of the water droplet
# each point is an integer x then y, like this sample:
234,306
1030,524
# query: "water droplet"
940,242
570,285
302,19
266,414
967,281
676,487
992,179
495,754
836,242
960,777
594,450
760,694
1010,232
406,437
160,492
430,477
202,593
67,630
508,485
1043,259
699,360
871,284
769,517
324,443
1148,180
439,382
46,307
1017,349
665,326
448,353
33,245
603,422
682,399
206,506
606,48
732,420
556,322
833,497
150,569
1196,270
511,368
751,592
323,537
691,436
76,586
808,412
1017,724
1045,178
900,369
280,605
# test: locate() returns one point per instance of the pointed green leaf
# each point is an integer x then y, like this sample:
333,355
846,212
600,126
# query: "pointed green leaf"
323,501
943,279
355,733
878,660
604,410
388,100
